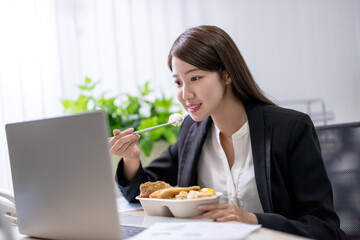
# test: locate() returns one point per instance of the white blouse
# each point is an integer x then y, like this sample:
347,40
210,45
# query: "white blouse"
237,184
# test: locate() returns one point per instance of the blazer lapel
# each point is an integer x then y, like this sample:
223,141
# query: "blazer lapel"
260,144
191,153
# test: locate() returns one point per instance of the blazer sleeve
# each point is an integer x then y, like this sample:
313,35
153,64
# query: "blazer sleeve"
310,188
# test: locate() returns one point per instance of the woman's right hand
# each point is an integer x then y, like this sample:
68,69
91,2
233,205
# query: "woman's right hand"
123,144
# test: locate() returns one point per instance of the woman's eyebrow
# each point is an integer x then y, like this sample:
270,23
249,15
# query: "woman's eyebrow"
187,72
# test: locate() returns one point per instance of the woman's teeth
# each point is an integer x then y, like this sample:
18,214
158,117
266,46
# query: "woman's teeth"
194,108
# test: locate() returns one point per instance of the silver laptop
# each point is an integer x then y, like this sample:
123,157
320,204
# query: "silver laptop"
62,178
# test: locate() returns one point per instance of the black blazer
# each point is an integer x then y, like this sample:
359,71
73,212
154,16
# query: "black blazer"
292,182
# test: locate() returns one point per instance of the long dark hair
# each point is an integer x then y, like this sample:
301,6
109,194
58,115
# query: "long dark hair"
210,48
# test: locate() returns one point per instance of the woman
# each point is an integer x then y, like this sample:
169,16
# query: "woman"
265,159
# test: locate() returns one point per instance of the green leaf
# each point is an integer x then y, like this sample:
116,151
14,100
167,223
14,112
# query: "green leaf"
146,146
82,103
171,136
88,87
145,90
156,134
149,122
67,103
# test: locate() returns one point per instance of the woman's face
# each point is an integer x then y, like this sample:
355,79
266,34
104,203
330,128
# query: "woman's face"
200,92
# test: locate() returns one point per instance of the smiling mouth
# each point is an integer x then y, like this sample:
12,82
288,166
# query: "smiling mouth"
194,107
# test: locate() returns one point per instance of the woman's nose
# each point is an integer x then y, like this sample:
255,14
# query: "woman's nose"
187,92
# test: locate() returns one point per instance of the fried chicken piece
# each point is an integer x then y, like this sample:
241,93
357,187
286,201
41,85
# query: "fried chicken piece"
149,187
182,195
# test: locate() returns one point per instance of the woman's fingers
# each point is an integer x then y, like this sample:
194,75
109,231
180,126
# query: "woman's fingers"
118,135
214,214
210,207
131,145
212,211
116,132
221,212
231,217
126,143
122,144
119,148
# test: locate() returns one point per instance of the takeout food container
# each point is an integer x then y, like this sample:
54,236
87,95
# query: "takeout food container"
184,208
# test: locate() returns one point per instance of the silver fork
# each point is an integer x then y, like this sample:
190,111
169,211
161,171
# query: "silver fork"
155,127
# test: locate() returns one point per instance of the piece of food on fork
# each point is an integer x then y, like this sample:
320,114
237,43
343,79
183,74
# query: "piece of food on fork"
175,119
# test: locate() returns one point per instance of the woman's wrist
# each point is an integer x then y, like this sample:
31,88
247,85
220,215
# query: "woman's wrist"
131,166
250,218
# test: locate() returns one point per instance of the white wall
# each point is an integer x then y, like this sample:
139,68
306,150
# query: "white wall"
297,49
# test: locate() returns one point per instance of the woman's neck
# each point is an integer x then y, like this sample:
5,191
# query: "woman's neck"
231,118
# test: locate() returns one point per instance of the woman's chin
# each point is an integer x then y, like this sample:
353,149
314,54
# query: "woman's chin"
197,118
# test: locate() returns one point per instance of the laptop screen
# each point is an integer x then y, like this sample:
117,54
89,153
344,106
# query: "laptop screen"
62,177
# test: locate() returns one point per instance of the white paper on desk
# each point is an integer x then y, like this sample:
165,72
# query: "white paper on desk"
196,231
123,205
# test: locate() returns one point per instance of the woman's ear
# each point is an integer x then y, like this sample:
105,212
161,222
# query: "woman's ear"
226,77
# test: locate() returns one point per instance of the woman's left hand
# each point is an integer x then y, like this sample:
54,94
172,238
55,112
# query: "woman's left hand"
226,212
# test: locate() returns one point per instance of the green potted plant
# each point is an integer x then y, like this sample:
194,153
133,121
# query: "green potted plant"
126,111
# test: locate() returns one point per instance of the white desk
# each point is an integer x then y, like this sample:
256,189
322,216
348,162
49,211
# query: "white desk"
262,233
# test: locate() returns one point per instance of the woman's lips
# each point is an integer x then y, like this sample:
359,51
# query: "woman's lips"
194,107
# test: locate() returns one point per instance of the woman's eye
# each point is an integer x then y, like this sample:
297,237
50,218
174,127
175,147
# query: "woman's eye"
195,78
177,83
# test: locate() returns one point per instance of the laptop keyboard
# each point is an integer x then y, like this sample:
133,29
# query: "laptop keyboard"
129,231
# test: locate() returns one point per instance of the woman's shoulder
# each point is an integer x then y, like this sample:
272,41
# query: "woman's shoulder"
275,109
286,122
280,115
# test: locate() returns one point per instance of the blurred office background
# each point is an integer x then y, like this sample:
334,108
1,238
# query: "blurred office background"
300,52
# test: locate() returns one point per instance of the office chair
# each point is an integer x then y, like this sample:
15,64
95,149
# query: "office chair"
340,146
